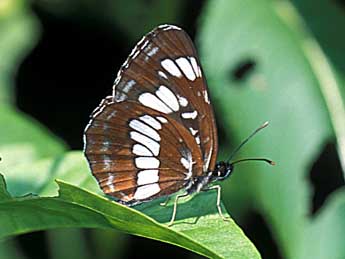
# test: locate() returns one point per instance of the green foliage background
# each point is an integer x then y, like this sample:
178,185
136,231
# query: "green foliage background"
297,84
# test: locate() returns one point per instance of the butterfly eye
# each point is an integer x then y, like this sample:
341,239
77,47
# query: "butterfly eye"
222,170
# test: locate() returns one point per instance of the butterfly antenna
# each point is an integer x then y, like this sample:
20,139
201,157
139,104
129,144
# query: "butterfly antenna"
247,139
255,159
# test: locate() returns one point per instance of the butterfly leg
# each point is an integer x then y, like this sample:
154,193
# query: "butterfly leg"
165,202
175,207
218,200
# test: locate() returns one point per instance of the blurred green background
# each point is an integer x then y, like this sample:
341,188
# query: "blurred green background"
281,61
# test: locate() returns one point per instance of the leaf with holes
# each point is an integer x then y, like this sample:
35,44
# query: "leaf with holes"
292,85
330,222
198,226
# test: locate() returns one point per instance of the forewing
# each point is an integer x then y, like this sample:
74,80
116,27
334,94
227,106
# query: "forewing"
163,72
137,153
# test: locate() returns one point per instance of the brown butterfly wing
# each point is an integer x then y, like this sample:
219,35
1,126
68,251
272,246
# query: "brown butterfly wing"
157,131
165,66
137,153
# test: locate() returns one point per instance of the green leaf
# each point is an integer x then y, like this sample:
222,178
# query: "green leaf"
23,141
38,178
9,250
325,234
330,81
60,240
324,30
4,195
198,226
18,34
285,87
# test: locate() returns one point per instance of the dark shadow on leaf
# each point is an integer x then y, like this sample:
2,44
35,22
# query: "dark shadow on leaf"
195,206
243,69
258,231
325,176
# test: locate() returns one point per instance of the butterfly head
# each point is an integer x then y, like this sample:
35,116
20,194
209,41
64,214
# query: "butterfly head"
222,171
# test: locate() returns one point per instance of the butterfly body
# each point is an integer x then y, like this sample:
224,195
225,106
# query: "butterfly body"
199,183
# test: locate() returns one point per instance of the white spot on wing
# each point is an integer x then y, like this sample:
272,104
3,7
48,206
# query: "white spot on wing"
147,142
189,115
152,52
150,100
162,74
110,183
146,191
168,97
144,129
184,162
107,165
108,162
193,131
146,162
195,66
207,100
186,67
147,177
140,150
197,139
183,101
188,164
151,121
128,86
170,66
111,115
199,70
162,119
208,160
120,97
106,146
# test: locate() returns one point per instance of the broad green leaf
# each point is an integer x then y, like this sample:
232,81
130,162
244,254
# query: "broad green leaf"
39,177
324,237
331,83
23,140
18,34
285,87
198,226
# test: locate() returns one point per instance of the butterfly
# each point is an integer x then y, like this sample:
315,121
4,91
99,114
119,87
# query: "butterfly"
156,134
